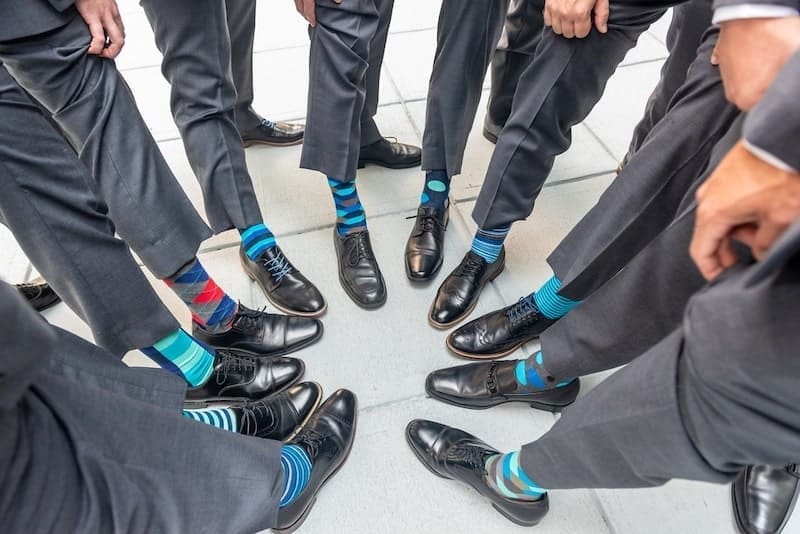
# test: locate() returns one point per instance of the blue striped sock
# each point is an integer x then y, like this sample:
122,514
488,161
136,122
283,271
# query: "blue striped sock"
256,240
223,418
183,355
437,187
550,303
488,243
296,472
350,216
532,376
505,475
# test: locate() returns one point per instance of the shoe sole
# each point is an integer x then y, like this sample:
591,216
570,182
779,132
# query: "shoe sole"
248,144
203,403
363,163
300,520
429,468
554,408
284,309
468,311
311,412
489,136
483,357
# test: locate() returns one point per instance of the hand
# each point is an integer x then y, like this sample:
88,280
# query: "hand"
746,199
307,8
105,25
573,18
751,53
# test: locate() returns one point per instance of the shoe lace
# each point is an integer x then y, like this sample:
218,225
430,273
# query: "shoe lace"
312,440
278,266
469,267
472,456
491,378
231,364
250,320
358,247
524,310
267,124
255,412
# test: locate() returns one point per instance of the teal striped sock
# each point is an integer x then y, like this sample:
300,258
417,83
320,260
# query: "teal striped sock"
296,472
223,418
256,239
531,374
350,216
488,243
550,303
183,355
505,476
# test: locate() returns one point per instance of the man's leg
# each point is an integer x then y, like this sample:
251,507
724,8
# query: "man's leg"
48,203
254,128
193,37
689,23
521,35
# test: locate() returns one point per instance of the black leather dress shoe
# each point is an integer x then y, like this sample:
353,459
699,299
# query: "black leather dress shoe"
500,332
280,416
763,498
482,385
327,439
359,272
285,287
458,294
258,333
425,245
274,134
237,377
491,131
390,154
39,294
453,454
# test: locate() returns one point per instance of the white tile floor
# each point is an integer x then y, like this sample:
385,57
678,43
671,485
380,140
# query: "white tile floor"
384,355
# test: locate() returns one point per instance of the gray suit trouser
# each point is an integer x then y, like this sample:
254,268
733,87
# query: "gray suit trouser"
466,38
196,42
47,200
347,47
644,198
106,448
558,89
711,370
97,112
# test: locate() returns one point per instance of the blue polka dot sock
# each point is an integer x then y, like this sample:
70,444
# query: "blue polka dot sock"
488,243
183,355
256,239
437,187
350,216
505,475
222,418
550,303
532,375
296,472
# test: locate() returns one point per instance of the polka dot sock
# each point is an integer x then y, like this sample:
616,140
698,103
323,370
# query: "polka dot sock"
437,187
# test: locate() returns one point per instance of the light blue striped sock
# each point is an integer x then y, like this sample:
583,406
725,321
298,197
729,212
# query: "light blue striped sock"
256,239
223,418
183,355
531,374
550,303
488,243
505,475
296,472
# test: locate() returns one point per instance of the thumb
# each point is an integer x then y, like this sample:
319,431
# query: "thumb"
601,10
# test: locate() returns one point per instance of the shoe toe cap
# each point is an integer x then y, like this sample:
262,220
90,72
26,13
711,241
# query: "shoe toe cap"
462,339
422,434
286,371
302,330
422,265
343,404
305,397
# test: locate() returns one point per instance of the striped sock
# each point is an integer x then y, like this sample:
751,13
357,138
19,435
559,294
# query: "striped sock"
550,303
224,418
296,472
350,216
531,374
256,239
183,355
211,308
488,243
505,476
437,187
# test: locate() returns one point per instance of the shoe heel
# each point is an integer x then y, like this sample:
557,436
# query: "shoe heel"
515,520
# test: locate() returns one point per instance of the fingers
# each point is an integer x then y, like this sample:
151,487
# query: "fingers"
709,250
310,11
98,42
115,31
768,232
568,21
601,12
715,55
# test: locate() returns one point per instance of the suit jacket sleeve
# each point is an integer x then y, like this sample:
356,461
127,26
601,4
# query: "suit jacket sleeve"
27,340
773,125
